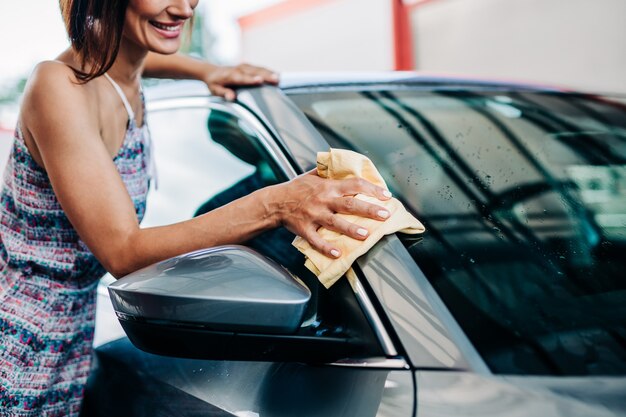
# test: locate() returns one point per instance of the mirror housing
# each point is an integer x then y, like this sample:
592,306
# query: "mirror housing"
226,288
225,303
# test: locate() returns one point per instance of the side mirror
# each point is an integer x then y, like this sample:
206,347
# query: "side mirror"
227,302
227,288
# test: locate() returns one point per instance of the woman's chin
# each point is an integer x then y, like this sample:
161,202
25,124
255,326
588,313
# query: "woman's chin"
164,46
165,49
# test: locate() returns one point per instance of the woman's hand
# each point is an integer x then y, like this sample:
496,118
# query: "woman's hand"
309,202
220,79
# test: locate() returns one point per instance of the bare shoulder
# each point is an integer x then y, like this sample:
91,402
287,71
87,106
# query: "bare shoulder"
54,95
52,83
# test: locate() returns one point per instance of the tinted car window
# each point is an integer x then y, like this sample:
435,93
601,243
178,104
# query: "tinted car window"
200,154
524,200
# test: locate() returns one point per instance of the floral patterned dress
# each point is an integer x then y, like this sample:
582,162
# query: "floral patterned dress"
48,280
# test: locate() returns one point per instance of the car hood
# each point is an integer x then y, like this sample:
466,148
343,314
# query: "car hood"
461,394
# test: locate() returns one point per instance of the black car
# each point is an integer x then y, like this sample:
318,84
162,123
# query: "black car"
513,303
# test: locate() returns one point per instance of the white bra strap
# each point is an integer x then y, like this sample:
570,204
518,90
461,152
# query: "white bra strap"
151,167
129,110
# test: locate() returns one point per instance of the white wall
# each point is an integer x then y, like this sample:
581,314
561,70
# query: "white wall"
338,35
576,43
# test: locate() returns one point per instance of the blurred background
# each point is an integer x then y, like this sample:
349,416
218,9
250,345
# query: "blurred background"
577,44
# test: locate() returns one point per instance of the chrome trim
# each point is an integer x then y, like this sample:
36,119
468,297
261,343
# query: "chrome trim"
377,324
377,363
236,110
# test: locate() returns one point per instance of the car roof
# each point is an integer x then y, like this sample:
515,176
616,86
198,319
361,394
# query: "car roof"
314,81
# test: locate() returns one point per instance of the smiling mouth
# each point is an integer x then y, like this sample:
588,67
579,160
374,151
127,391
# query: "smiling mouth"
170,28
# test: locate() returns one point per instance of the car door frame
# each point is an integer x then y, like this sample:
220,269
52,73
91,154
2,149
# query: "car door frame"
393,364
443,345
276,150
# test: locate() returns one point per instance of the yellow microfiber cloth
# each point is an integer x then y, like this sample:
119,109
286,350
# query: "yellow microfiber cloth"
343,164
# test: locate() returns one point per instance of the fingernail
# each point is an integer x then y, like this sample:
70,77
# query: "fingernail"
383,213
387,194
335,253
361,231
274,77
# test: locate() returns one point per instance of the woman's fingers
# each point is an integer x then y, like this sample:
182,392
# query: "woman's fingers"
354,186
311,202
267,75
227,93
351,205
341,225
221,78
233,77
320,245
238,77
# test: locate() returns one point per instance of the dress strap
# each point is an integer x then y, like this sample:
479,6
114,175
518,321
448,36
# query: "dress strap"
129,109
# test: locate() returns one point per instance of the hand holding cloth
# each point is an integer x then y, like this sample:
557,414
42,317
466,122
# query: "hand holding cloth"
343,164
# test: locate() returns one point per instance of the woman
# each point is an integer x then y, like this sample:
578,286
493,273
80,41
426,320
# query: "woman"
75,188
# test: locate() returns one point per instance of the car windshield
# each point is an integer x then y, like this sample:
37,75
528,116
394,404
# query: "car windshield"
523,195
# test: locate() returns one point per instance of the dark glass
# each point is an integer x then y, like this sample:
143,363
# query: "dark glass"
523,196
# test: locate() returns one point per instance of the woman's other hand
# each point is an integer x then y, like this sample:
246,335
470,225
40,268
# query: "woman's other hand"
221,79
309,202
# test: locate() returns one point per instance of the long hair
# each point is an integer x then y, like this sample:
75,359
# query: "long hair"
95,30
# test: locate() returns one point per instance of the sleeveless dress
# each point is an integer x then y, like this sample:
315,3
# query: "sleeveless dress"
48,281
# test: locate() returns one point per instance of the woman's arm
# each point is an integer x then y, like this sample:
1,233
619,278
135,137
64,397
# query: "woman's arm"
59,117
217,78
